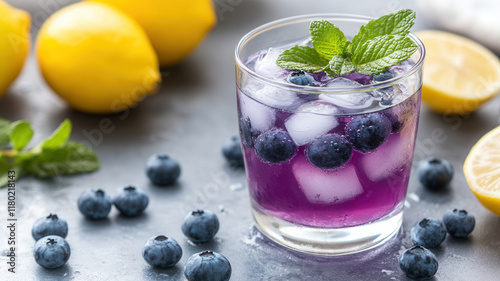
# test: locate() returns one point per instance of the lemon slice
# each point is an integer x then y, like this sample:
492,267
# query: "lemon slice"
482,170
459,74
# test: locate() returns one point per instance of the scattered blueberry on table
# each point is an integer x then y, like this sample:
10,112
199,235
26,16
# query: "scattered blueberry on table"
459,223
207,266
130,201
162,169
367,132
428,232
329,151
200,226
50,225
94,204
162,252
275,146
51,251
418,263
435,173
231,149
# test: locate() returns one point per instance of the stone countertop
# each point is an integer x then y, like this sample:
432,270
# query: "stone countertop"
190,118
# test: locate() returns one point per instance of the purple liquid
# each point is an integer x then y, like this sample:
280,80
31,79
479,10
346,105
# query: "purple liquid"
368,187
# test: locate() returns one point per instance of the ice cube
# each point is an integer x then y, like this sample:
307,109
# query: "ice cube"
400,68
312,120
352,100
266,66
276,97
387,160
327,187
358,77
261,117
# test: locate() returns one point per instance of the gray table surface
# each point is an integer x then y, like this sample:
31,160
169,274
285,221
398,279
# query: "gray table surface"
189,118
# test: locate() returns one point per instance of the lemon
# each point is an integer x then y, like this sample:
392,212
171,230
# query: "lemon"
174,27
459,74
14,43
482,170
96,58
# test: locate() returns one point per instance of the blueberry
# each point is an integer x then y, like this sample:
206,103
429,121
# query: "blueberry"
428,232
388,97
383,76
231,149
329,151
418,263
94,204
247,133
130,201
162,169
367,132
301,78
162,252
398,116
51,251
207,266
50,225
459,223
435,173
275,146
200,226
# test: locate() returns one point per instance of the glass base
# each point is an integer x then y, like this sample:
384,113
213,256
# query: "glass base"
329,241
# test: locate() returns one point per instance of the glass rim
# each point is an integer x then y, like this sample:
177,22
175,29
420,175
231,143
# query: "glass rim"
314,89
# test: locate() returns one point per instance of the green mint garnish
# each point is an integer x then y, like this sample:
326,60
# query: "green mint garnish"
59,136
20,134
4,132
302,58
379,44
327,39
53,156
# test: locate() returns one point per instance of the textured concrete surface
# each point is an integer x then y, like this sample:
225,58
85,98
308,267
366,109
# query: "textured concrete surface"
189,119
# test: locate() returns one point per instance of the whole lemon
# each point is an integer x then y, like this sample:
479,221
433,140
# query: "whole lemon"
96,58
14,43
174,27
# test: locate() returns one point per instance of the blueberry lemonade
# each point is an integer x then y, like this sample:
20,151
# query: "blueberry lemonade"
328,109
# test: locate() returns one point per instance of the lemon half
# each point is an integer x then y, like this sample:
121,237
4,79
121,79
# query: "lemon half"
482,170
459,74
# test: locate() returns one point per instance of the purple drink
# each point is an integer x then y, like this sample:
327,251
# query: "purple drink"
328,159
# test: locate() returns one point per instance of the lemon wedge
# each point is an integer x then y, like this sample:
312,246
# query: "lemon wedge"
482,170
459,74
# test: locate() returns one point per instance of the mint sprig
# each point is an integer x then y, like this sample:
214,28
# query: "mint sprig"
53,156
327,39
379,44
302,58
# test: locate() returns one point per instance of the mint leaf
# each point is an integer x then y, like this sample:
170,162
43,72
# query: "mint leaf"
20,134
4,132
374,56
340,65
302,58
59,136
4,173
327,39
70,158
398,23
